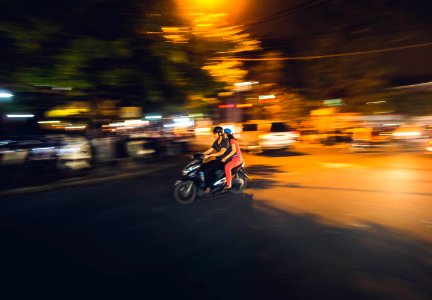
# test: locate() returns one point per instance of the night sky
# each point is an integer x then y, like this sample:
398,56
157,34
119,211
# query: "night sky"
296,28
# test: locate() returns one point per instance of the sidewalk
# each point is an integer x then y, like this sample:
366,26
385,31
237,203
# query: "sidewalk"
123,169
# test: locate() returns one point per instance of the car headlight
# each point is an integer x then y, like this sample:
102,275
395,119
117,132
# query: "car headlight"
407,133
69,150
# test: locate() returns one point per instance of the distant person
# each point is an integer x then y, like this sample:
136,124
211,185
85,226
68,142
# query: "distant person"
218,150
233,158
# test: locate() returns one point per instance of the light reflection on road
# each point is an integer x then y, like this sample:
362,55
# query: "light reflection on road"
350,190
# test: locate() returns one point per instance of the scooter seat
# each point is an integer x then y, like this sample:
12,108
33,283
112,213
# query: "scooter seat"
234,170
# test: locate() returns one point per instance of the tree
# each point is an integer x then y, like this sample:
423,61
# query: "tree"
102,48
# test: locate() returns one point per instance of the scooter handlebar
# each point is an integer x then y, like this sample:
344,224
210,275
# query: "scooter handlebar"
198,155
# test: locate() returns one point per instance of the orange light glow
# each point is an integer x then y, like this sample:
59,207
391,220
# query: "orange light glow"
244,105
230,7
268,100
213,20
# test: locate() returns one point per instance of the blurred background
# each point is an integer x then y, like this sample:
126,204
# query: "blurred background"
102,103
87,82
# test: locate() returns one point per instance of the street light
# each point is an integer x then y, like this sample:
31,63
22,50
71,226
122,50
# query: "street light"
244,86
20,116
5,96
265,97
153,117
245,83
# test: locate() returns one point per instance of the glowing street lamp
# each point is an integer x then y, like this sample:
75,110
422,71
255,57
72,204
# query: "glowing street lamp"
5,96
245,83
244,86
20,115
153,117
265,97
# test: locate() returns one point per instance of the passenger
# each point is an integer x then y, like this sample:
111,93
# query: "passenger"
233,158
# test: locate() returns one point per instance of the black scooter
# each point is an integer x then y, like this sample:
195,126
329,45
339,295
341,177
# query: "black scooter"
191,184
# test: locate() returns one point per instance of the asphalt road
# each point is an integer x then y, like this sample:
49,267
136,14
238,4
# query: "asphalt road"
314,224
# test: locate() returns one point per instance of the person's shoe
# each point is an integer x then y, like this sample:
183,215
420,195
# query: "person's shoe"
227,187
207,190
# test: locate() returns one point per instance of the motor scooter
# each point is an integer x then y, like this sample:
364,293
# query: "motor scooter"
191,184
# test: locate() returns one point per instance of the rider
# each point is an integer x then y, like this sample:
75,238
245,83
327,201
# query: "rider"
218,150
234,157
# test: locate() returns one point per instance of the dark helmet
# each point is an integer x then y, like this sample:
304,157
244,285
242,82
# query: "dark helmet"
218,130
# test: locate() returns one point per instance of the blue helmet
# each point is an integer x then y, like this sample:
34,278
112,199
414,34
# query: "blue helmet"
228,131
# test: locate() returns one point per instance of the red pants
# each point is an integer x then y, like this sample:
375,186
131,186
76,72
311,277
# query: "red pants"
228,167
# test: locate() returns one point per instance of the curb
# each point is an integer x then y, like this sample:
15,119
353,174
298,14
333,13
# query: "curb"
82,181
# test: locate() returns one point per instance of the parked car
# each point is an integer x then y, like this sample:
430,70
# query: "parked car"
22,151
410,136
74,153
267,135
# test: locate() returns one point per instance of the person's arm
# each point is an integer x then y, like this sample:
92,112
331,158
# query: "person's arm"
209,151
233,151
219,153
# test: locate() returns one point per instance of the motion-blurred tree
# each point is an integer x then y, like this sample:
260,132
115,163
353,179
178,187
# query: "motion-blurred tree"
288,104
102,48
268,71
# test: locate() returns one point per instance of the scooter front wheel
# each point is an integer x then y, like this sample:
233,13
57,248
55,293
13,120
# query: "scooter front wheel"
185,192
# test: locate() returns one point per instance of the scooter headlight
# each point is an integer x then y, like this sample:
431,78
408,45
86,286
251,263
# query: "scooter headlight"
188,170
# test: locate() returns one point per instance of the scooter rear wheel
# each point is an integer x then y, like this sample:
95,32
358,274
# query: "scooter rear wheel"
238,184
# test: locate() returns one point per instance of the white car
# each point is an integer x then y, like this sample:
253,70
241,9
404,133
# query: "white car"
75,153
21,152
409,136
267,135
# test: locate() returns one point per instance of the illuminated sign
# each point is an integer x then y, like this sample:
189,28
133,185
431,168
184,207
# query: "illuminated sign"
65,112
333,102
266,97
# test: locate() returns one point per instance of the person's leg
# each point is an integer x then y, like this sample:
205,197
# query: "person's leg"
211,171
228,167
228,170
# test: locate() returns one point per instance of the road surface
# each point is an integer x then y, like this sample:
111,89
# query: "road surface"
314,224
